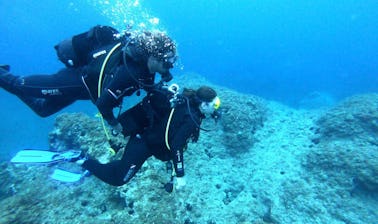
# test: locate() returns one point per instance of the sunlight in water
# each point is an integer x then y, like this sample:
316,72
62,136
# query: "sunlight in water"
124,13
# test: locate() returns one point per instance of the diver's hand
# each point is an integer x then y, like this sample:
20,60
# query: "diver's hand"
116,129
115,145
180,183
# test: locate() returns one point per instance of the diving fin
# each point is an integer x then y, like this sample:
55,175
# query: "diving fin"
68,177
31,156
5,67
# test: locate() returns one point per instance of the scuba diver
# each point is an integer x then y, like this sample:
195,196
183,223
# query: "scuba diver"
102,65
161,125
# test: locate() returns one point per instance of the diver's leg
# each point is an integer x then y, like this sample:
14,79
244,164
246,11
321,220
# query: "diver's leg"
120,172
46,107
7,80
5,67
67,82
46,94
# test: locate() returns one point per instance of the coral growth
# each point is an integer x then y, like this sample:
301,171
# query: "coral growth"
79,131
346,149
242,116
355,117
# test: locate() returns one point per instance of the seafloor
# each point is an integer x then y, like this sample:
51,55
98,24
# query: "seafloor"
263,163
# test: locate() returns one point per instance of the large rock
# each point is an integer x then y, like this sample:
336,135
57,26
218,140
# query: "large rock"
354,118
242,116
346,145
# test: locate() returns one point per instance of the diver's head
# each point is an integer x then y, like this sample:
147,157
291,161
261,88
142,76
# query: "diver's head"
209,102
206,100
156,49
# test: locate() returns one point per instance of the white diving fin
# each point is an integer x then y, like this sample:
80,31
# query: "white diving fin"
68,177
32,156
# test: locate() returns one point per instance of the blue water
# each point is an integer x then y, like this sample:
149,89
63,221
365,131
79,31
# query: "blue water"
280,50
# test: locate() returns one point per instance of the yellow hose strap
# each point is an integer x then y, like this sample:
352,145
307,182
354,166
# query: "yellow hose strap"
167,129
112,151
103,68
104,127
100,87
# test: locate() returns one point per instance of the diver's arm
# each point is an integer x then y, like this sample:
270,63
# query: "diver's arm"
105,105
111,96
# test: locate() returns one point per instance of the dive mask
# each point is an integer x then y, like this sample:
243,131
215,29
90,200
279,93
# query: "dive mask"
169,61
208,108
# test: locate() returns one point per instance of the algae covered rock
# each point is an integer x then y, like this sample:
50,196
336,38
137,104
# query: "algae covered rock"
346,150
242,116
80,131
348,161
355,117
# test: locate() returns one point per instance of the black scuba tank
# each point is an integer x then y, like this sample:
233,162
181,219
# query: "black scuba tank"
78,50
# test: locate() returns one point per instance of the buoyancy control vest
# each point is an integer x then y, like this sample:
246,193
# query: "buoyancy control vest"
99,50
81,49
100,69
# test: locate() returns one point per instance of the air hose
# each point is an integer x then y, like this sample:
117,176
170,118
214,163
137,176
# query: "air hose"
100,88
167,129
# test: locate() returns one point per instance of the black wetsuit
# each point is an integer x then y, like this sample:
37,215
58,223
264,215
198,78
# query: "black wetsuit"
48,94
149,119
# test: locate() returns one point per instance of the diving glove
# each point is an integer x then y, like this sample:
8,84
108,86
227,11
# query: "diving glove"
180,183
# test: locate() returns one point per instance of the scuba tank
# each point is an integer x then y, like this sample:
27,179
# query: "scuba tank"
99,50
78,50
